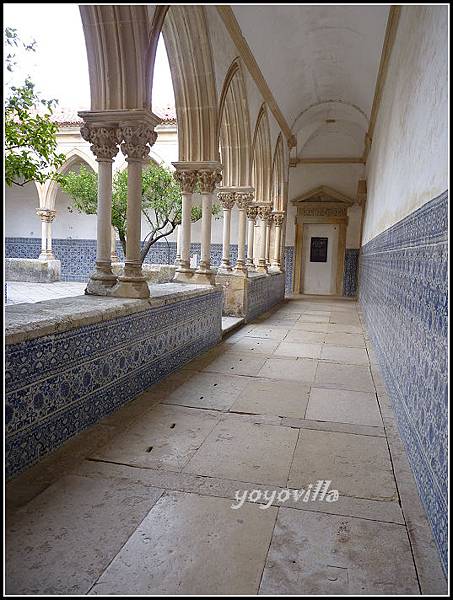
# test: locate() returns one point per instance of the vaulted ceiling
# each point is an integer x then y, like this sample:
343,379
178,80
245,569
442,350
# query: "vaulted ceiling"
321,64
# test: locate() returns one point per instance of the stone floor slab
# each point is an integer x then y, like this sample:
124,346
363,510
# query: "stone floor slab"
213,391
305,337
194,545
357,465
345,355
295,369
345,377
246,452
298,349
268,333
320,554
255,345
165,437
350,340
344,406
268,397
62,541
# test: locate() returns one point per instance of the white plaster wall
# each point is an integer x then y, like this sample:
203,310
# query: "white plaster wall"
341,177
407,165
21,219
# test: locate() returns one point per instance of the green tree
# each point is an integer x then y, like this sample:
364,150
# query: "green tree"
30,134
161,201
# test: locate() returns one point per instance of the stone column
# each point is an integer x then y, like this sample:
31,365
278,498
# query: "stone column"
263,214
252,212
104,145
178,245
269,222
47,216
136,141
187,179
113,253
226,199
243,199
278,217
208,180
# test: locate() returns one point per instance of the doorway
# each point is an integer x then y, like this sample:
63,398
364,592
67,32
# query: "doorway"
320,250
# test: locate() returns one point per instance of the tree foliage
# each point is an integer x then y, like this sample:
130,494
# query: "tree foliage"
161,201
30,135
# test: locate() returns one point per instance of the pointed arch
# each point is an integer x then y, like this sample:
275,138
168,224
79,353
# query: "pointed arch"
73,157
261,170
189,53
234,133
278,176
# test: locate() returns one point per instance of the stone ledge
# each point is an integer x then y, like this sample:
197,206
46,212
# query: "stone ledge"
29,321
32,270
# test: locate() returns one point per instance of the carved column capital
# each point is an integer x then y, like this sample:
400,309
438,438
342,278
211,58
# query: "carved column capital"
264,211
252,212
47,215
243,199
187,180
136,140
104,140
226,199
208,180
278,218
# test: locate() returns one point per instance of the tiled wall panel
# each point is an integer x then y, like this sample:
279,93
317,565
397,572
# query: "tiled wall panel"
404,298
57,385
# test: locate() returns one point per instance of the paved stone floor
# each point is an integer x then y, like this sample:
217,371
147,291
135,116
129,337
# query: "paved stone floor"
142,502
20,292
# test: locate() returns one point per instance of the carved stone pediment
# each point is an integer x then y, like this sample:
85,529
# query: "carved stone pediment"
323,195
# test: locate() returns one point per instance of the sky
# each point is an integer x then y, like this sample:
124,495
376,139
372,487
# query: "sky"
59,66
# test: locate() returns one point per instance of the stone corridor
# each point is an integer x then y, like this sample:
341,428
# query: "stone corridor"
141,503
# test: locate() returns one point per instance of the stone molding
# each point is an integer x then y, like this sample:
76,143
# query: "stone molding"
252,212
47,215
209,179
226,199
136,140
104,140
187,180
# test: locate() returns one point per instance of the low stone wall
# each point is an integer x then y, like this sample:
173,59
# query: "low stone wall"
264,293
69,362
152,273
32,270
251,296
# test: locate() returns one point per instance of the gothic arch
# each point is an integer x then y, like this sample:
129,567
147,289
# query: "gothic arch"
262,157
73,157
234,129
278,176
192,70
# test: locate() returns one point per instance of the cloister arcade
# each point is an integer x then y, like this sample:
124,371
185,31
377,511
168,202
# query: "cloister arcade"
311,343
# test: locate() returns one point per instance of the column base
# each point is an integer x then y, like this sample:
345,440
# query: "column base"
203,277
275,269
261,268
101,281
130,287
225,267
241,269
46,256
183,275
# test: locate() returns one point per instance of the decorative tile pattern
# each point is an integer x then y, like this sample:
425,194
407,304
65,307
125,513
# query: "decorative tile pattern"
264,293
58,385
404,297
78,257
351,264
289,268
